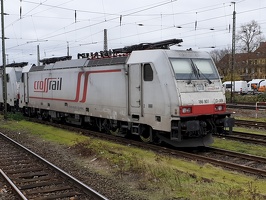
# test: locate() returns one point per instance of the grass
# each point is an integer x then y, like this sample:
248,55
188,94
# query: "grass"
250,130
240,147
252,119
156,176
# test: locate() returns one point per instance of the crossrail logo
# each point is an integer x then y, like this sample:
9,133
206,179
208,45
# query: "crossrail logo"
47,84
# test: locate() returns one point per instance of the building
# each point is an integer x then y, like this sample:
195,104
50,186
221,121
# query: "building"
247,65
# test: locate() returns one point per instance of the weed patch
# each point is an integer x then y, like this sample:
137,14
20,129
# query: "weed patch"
15,116
83,149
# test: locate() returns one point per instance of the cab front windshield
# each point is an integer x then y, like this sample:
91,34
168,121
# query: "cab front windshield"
193,69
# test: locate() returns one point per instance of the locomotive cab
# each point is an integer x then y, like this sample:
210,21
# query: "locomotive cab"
202,104
183,99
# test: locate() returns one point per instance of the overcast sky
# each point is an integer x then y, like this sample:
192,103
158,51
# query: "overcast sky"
53,25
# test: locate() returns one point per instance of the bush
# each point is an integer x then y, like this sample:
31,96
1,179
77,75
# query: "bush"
237,98
262,97
15,116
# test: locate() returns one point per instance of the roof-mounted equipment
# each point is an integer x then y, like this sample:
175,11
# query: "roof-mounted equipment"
21,64
47,61
165,44
123,52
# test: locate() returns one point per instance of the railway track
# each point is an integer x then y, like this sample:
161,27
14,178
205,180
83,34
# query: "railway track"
233,160
251,124
248,106
241,162
32,177
246,137
249,137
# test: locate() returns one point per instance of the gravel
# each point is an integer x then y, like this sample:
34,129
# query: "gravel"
5,191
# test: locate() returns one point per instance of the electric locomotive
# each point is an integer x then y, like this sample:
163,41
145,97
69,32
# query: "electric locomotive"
13,77
148,90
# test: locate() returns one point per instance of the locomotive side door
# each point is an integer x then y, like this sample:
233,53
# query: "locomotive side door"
135,90
24,90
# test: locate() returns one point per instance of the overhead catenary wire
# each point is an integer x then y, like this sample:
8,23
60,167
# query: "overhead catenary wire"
98,22
112,19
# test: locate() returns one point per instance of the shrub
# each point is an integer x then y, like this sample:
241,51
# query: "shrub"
15,116
237,98
262,97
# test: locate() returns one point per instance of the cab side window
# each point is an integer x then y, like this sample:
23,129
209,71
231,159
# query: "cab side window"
147,72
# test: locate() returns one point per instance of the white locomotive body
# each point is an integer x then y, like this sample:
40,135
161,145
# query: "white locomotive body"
159,94
13,76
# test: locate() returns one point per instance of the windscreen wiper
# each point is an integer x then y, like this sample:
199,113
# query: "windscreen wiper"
200,73
194,71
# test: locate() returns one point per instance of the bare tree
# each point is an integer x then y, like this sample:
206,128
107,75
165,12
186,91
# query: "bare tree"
249,36
221,58
218,54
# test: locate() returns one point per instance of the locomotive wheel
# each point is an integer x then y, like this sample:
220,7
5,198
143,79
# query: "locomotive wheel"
146,134
109,128
51,120
114,131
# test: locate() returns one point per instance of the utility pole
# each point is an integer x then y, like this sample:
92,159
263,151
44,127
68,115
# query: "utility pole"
67,48
233,54
38,55
105,48
4,60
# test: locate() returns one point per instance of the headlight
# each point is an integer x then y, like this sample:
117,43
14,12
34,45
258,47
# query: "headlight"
186,110
219,108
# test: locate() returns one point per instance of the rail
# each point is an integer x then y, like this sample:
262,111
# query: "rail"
245,137
14,187
257,108
175,152
250,124
40,164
